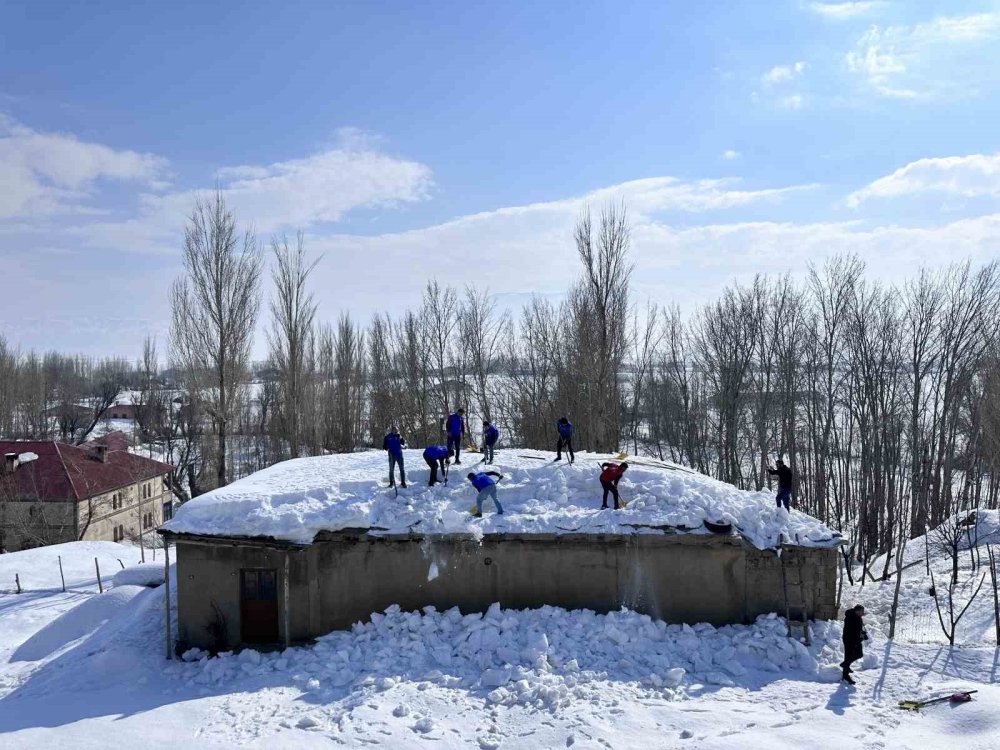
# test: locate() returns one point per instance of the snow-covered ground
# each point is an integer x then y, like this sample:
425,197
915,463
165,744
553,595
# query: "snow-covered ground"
296,499
86,670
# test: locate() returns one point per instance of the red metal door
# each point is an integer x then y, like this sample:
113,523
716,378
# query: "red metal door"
259,605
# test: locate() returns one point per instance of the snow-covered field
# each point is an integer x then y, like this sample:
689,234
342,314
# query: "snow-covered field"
296,499
86,670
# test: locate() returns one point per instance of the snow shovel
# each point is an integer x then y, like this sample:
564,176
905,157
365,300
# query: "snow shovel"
961,697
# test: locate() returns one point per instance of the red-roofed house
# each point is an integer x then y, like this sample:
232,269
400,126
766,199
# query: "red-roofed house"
54,492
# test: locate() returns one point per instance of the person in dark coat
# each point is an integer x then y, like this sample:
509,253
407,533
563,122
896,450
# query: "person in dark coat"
437,457
611,475
393,443
854,636
565,428
455,428
784,474
490,436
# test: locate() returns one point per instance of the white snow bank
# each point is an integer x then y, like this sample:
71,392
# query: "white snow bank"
542,658
296,499
76,623
144,574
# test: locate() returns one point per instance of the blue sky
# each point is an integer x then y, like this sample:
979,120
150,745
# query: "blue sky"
461,140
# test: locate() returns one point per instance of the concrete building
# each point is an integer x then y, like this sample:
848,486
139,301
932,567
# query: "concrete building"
53,492
233,592
317,544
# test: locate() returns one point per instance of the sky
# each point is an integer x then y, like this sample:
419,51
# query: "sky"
462,140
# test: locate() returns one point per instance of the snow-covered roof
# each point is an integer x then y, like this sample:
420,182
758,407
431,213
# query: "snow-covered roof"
295,500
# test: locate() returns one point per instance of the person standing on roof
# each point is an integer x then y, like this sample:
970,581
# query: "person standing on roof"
611,475
393,443
854,635
784,475
490,436
437,456
455,429
487,489
565,428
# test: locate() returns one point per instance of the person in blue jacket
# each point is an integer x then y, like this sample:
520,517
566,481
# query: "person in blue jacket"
565,428
490,436
437,456
456,431
487,488
393,443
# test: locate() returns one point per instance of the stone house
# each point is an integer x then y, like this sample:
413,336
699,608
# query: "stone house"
53,492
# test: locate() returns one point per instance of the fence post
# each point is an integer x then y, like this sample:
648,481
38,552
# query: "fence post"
17,580
61,576
97,567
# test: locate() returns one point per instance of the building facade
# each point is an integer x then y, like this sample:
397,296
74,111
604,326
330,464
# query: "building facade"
52,492
258,591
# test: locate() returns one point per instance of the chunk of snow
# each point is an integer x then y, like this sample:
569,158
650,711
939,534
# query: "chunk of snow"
145,574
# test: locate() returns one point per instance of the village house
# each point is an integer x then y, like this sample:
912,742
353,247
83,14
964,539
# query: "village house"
53,492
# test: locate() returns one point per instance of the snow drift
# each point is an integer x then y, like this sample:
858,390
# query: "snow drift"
295,500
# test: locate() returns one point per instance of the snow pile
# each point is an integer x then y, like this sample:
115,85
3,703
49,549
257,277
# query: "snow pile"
144,574
296,499
542,658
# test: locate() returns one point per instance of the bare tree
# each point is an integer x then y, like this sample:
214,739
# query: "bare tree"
599,306
293,310
214,312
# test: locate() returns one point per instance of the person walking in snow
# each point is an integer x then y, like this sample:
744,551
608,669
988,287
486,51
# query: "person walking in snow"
437,456
854,635
455,429
490,436
784,475
487,486
565,428
611,475
393,443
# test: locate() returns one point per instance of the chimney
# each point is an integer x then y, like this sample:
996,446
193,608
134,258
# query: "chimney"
9,462
102,453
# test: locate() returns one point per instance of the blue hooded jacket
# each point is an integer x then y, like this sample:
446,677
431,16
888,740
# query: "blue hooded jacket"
393,443
565,429
456,425
491,434
481,481
436,452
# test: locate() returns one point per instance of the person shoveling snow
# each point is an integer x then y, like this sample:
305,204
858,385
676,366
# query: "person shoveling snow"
487,489
611,475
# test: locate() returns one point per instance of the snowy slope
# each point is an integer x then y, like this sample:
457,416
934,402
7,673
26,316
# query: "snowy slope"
507,680
918,619
296,499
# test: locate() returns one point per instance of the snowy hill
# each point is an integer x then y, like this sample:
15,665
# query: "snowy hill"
918,619
86,670
295,500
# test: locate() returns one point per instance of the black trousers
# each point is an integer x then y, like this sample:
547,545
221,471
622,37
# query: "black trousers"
611,487
434,464
852,652
566,442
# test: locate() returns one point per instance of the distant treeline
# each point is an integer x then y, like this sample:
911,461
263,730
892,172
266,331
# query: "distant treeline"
883,399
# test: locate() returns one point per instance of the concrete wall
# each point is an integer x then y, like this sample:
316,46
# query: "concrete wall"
340,579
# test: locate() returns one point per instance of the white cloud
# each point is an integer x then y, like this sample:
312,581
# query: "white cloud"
966,176
46,173
293,194
783,73
942,57
844,11
731,155
791,102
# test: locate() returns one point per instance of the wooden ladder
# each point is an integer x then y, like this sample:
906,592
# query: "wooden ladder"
796,609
